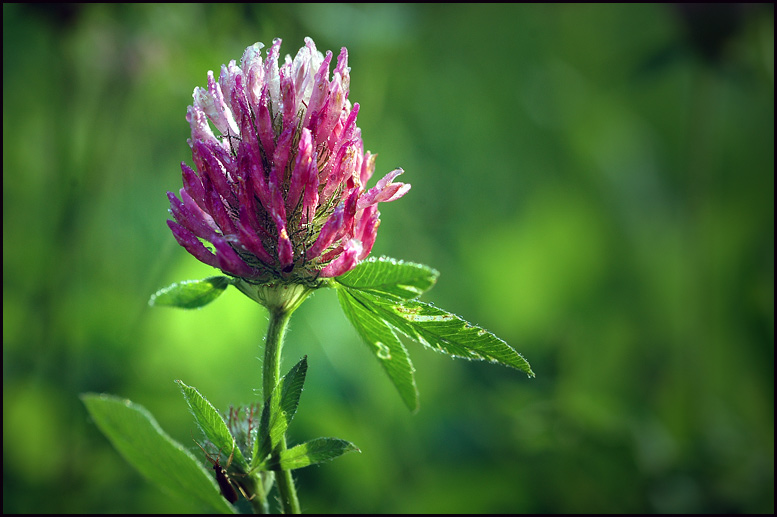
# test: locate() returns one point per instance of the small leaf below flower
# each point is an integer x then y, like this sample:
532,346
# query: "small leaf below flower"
190,294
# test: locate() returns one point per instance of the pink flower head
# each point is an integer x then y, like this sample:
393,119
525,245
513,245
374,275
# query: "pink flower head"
278,184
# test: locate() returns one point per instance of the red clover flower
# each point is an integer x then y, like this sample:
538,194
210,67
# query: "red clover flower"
277,200
279,191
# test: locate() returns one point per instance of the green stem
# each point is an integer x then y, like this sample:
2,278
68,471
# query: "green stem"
281,300
259,502
279,320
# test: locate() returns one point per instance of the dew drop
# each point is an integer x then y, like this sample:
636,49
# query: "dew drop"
383,351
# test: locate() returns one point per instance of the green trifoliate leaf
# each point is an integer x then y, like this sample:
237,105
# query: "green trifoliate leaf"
443,331
190,294
166,463
311,453
212,424
390,278
383,342
278,411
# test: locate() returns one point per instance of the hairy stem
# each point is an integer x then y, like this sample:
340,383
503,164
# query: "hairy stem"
279,320
259,502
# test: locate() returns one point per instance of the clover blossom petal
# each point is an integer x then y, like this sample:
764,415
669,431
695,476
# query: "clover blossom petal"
278,187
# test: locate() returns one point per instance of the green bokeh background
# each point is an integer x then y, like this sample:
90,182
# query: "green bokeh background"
594,183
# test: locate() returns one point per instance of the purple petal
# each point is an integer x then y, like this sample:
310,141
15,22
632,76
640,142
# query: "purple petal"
350,212
328,233
281,157
212,103
320,89
232,111
223,153
192,221
285,252
249,239
261,188
339,224
350,123
384,191
299,176
367,229
250,163
229,261
310,197
220,215
317,119
225,83
288,97
332,114
239,101
248,135
304,67
368,167
343,69
198,121
264,126
214,169
193,185
251,64
345,262
192,244
275,206
271,76
193,207
277,211
339,169
247,205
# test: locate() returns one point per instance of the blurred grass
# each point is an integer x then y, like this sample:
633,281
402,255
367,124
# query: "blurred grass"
595,184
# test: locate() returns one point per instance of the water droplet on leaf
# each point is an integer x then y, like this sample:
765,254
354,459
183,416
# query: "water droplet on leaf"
383,351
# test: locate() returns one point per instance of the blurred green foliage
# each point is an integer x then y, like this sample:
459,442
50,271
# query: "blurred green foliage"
594,183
